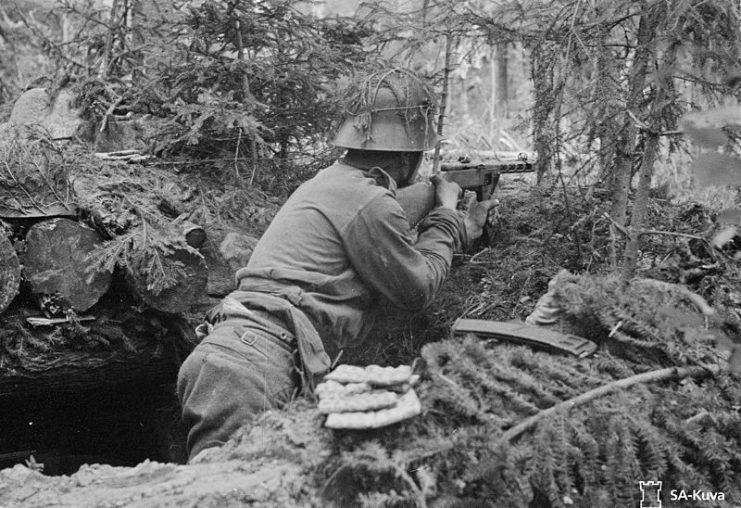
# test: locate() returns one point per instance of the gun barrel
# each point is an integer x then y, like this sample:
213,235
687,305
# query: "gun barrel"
494,166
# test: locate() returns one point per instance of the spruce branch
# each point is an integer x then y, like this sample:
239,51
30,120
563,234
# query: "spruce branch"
31,199
672,373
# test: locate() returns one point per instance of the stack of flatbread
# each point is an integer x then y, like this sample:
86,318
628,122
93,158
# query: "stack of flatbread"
368,397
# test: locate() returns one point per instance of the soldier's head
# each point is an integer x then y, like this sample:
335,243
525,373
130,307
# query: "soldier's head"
389,115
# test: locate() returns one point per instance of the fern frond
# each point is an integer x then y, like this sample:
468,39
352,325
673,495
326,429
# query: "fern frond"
143,251
651,448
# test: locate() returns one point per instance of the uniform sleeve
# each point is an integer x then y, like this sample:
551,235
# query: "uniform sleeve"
382,250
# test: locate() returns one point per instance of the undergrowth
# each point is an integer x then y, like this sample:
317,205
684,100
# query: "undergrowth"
685,432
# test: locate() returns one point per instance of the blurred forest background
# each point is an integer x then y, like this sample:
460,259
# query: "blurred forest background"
248,90
594,85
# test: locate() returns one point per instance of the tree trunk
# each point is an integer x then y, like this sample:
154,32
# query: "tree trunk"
57,269
493,124
121,345
651,149
442,117
10,272
501,93
541,72
640,207
607,126
627,138
110,39
463,97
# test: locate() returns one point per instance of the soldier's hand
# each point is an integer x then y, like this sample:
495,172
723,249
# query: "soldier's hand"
477,215
447,193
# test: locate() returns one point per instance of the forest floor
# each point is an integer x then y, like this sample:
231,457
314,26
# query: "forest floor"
286,458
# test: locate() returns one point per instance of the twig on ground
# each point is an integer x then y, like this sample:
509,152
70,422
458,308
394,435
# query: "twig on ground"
475,256
621,384
236,154
624,231
617,226
108,113
670,233
25,191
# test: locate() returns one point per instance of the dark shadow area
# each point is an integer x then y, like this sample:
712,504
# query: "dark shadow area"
120,425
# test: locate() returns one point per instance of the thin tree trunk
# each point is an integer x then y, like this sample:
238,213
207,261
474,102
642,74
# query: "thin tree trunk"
627,138
651,149
541,72
493,124
607,127
108,55
640,207
463,97
247,94
443,102
66,34
502,88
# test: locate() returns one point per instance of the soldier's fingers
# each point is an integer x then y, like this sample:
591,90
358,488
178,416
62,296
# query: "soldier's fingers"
469,198
490,203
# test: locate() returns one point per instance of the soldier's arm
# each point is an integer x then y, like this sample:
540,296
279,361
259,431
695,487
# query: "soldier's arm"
382,250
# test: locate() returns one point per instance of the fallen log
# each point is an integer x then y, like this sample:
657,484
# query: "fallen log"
10,272
56,265
122,345
194,235
189,276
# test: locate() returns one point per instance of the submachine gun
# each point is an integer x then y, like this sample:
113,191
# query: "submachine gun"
418,199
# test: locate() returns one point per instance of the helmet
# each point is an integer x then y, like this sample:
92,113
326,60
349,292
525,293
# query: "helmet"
390,111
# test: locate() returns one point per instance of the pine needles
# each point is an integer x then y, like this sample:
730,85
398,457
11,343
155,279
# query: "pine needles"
144,250
33,176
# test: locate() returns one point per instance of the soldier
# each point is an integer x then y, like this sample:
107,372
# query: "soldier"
337,246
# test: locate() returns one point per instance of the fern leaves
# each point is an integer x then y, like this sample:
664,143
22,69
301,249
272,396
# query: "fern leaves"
145,250
477,393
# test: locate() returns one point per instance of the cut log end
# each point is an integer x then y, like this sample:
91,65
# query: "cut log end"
10,272
195,235
189,288
57,268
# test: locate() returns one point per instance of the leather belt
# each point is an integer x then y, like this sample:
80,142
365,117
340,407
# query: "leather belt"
232,309
287,337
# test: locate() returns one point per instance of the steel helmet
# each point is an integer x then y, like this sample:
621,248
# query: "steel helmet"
392,111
